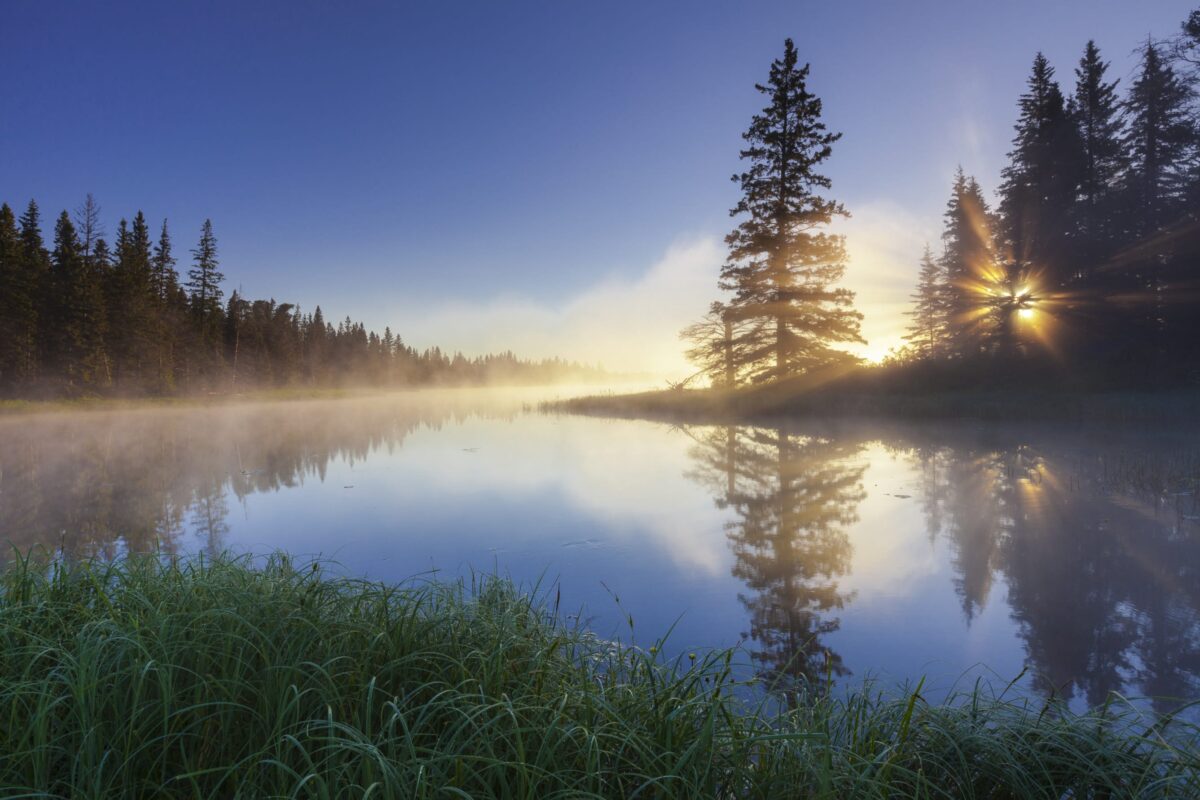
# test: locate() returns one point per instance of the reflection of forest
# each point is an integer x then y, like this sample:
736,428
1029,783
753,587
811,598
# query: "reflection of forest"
1096,544
1100,558
106,483
793,498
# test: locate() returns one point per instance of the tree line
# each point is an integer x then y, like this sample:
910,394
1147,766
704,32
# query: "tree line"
80,316
1089,259
1090,256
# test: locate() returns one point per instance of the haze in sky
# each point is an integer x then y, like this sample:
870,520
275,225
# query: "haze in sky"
547,177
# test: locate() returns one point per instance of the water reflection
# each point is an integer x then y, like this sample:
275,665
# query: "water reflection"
833,549
793,499
107,483
1099,560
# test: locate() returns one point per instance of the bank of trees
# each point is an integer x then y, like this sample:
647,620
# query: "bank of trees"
1089,255
1091,251
79,316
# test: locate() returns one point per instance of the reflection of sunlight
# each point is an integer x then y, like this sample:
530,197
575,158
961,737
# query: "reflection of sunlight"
631,474
891,549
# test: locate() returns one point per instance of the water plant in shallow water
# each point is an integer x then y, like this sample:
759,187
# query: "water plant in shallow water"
223,678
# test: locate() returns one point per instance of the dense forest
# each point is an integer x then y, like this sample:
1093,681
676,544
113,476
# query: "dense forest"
1086,267
79,317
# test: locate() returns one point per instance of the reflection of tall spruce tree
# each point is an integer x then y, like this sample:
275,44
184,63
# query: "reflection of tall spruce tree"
783,265
794,498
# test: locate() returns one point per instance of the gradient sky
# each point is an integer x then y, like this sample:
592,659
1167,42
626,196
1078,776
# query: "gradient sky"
551,177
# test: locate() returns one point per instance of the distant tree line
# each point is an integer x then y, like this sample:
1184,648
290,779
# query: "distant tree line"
1091,255
80,316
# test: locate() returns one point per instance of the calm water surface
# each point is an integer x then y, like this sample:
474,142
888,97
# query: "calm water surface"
836,549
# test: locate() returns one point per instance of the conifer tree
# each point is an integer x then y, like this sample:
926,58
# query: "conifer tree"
783,264
1162,195
1160,139
33,328
203,279
136,330
204,301
18,321
718,344
77,345
1039,183
928,328
164,276
967,263
1096,111
87,222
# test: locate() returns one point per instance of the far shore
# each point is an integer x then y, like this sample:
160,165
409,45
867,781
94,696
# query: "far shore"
865,396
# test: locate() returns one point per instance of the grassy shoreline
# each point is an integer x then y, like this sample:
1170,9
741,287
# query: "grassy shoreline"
218,679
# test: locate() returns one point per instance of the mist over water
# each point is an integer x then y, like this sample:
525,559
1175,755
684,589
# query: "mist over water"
834,551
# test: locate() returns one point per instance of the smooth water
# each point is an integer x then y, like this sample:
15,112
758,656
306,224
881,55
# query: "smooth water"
831,549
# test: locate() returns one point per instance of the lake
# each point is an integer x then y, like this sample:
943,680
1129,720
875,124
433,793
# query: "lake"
839,550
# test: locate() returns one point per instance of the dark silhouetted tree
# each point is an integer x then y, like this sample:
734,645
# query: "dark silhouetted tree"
926,333
783,264
1096,111
77,347
18,304
1039,183
968,265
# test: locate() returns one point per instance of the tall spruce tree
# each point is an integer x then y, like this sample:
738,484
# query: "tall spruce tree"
1096,111
34,328
88,226
18,320
204,300
1039,183
134,325
968,265
204,279
164,278
1160,140
1163,194
77,346
926,333
783,264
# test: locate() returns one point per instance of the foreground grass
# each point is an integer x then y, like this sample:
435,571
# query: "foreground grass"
215,679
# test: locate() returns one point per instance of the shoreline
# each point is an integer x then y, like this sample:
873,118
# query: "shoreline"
774,402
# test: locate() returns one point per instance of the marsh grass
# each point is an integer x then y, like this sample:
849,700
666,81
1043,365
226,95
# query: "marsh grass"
222,678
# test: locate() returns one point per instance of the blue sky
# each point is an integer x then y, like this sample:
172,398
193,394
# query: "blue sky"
548,176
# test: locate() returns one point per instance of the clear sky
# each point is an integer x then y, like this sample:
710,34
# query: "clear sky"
551,177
